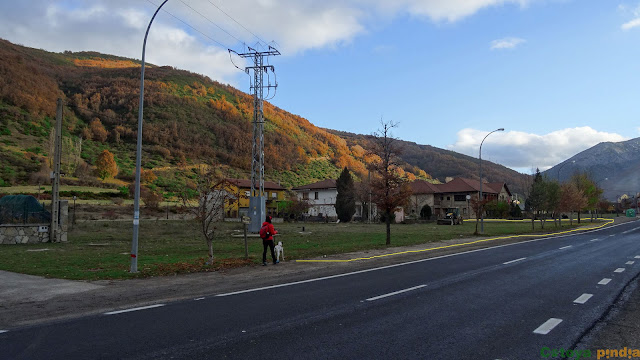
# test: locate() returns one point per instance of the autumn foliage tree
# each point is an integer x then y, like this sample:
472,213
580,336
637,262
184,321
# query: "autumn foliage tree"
98,132
390,190
106,166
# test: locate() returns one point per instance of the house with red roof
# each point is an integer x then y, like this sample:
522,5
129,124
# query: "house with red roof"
453,194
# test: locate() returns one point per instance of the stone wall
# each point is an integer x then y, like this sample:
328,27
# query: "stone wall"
24,234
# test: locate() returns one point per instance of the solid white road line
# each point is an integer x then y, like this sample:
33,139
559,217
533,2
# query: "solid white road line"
583,298
407,263
604,281
565,247
512,261
545,328
196,299
618,270
395,293
630,262
133,309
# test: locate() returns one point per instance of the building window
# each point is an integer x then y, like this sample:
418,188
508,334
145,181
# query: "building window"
448,197
247,193
315,196
459,197
274,195
305,196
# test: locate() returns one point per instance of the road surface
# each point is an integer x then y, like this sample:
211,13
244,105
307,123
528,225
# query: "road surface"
509,302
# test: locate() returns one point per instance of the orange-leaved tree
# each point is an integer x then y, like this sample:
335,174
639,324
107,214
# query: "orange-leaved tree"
390,191
106,165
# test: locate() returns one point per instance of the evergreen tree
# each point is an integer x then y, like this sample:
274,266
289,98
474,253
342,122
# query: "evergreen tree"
345,200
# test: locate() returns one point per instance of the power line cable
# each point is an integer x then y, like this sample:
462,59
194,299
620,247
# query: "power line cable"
184,22
211,21
230,17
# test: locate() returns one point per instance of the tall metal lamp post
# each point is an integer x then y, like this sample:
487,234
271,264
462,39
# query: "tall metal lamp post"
481,198
136,198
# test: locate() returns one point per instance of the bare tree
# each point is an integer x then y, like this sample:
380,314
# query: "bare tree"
477,206
389,189
213,193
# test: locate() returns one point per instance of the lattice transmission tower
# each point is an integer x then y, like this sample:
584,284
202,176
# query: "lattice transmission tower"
257,199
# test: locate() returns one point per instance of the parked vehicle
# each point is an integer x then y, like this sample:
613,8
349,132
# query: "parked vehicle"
451,217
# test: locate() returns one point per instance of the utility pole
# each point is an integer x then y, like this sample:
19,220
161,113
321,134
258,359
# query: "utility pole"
257,198
54,233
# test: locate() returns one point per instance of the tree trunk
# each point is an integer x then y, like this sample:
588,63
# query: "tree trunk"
533,221
210,245
388,228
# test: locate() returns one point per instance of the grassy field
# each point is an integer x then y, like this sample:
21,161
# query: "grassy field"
100,249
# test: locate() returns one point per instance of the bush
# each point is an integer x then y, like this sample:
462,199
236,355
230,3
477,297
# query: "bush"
150,198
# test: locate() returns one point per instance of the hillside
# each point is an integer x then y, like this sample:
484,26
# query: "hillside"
189,119
614,166
445,163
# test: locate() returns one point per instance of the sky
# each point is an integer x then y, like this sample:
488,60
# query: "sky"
559,76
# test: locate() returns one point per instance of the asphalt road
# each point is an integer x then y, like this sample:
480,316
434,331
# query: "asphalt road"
507,302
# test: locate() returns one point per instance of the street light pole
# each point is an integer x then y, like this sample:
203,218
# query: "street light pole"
136,198
560,168
481,208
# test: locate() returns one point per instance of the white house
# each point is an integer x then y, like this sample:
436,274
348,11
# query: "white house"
321,196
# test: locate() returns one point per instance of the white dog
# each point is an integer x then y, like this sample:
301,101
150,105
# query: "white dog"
279,251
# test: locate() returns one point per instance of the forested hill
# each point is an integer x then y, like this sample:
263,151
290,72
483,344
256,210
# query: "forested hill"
443,163
189,119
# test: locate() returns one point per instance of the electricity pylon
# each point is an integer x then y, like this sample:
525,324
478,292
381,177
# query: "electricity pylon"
257,197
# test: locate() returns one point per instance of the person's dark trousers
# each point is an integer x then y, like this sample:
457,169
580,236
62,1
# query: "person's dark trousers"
271,245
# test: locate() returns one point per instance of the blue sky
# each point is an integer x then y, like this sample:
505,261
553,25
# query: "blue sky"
559,75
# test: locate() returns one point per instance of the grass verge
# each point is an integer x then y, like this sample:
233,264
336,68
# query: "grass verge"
100,249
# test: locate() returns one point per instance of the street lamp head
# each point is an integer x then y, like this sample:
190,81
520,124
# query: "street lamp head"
501,129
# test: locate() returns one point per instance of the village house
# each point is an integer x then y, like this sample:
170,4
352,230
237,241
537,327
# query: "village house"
240,191
452,194
322,195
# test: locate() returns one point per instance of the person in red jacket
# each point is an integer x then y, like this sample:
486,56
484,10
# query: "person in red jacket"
266,233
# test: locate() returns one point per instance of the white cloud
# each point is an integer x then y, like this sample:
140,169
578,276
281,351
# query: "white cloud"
521,150
631,24
635,12
506,43
443,10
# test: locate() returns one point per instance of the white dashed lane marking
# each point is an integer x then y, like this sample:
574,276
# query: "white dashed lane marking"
512,261
604,281
395,293
637,257
629,262
133,309
3,331
583,298
594,239
196,299
618,270
548,325
565,247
